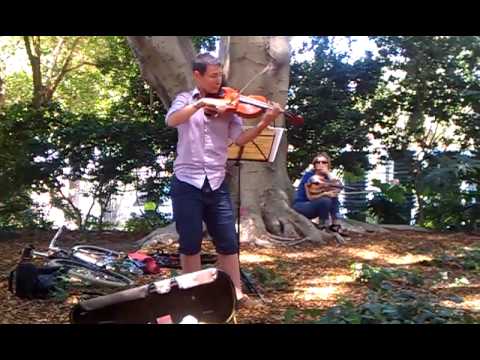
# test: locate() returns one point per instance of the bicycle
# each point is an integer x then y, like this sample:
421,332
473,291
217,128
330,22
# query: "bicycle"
92,264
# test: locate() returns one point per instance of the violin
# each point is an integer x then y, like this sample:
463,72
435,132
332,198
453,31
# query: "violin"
248,107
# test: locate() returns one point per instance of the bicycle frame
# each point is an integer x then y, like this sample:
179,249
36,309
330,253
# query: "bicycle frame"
52,248
57,252
55,238
74,255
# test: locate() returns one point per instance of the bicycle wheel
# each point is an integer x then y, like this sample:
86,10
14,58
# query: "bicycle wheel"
88,273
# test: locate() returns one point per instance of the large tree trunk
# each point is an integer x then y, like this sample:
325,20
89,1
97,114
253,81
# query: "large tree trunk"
165,63
2,93
245,57
32,45
265,189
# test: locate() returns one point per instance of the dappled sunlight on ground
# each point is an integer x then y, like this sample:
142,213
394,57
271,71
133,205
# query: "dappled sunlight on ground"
324,287
367,254
315,276
470,303
302,255
383,255
330,279
407,259
317,293
255,258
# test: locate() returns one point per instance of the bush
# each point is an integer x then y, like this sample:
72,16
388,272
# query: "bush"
19,212
146,223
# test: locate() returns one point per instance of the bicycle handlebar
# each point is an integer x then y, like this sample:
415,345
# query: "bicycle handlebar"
40,253
55,238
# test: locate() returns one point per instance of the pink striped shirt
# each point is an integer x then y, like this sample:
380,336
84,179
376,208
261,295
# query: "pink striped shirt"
202,143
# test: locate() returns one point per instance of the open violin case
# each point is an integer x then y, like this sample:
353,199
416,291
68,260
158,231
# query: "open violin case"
206,296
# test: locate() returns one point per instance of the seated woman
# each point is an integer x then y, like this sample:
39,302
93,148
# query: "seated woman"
317,194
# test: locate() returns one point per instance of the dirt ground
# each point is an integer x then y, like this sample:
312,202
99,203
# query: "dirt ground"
306,276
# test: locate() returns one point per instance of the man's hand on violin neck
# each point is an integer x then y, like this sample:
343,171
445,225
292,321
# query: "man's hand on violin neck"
272,114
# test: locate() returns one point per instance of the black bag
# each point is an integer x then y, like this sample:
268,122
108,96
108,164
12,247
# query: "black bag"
207,295
28,281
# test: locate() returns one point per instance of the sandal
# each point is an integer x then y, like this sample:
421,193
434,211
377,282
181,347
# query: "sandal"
338,229
320,227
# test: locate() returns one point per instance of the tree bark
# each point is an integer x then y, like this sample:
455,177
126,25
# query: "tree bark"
2,93
33,51
165,63
244,57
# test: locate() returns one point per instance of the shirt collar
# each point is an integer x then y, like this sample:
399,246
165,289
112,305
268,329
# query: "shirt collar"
196,94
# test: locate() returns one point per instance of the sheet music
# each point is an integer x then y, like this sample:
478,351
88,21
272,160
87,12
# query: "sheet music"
276,143
263,148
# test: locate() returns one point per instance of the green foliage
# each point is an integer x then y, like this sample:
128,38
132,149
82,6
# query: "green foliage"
377,277
77,83
18,87
424,76
40,149
401,308
467,259
391,191
269,278
291,314
354,164
471,260
446,204
428,97
19,212
330,93
39,145
146,223
204,43
390,303
386,205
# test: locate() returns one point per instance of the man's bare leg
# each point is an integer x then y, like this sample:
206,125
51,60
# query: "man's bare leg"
190,263
231,265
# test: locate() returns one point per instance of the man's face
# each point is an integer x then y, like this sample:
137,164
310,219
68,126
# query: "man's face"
210,81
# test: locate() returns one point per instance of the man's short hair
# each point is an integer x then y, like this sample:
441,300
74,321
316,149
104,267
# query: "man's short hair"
202,60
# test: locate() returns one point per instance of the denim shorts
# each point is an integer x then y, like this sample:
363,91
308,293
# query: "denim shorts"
192,206
321,208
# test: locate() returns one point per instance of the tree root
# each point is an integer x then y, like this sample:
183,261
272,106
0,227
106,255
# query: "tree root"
278,224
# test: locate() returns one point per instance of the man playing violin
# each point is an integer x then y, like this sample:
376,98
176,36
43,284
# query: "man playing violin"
198,188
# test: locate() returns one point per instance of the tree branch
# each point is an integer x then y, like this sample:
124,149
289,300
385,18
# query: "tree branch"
91,207
72,205
56,54
2,94
36,69
83,63
26,40
64,70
